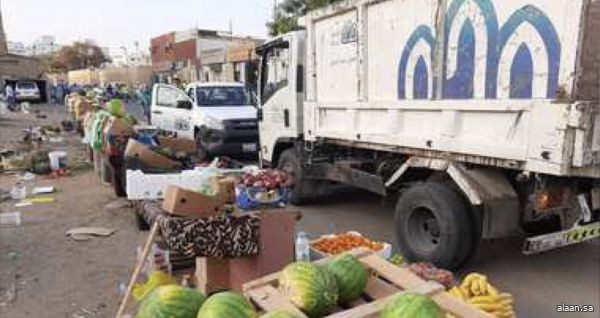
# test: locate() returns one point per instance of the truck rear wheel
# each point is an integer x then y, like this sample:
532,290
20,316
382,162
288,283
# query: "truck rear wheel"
434,224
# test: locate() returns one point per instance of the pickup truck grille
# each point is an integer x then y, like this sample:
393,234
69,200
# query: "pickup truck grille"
241,124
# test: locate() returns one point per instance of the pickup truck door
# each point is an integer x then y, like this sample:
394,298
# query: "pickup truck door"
172,110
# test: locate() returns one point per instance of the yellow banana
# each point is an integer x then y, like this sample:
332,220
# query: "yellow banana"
483,300
474,288
488,307
491,290
482,286
465,291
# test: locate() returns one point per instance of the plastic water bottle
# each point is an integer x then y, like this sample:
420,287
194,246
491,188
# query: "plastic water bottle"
302,247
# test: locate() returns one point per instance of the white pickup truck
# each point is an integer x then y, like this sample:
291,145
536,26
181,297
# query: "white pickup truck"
483,116
221,116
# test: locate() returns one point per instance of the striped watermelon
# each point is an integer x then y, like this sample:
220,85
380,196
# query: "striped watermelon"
310,287
350,275
279,314
411,306
171,301
225,305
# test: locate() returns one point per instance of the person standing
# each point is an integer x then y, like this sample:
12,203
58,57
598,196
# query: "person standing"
60,94
9,92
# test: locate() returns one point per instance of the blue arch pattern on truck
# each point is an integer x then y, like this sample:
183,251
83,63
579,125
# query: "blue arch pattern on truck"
460,84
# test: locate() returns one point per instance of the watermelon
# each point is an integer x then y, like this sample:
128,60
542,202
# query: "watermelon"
171,301
227,304
279,314
411,306
350,275
310,287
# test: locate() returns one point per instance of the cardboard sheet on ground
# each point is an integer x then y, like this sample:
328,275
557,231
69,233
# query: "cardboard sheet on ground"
86,233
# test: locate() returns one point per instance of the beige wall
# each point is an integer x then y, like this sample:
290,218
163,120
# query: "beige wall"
17,67
83,77
130,75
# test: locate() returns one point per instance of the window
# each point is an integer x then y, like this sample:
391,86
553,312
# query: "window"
275,71
167,96
223,96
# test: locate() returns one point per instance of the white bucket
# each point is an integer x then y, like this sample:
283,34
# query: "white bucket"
58,159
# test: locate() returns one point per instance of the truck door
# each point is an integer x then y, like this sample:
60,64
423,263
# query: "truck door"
280,94
172,110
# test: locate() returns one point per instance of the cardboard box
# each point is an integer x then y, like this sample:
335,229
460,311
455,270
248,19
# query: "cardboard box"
277,231
184,202
226,189
178,144
144,154
118,127
212,275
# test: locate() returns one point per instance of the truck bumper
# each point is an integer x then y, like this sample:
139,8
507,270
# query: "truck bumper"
229,141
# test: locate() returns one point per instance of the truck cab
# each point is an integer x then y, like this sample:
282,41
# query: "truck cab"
281,94
220,116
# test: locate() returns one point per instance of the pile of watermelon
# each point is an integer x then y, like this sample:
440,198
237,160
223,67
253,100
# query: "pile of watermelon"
315,289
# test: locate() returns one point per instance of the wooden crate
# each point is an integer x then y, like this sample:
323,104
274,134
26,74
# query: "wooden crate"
388,281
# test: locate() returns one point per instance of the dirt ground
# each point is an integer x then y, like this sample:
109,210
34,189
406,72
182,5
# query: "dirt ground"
44,273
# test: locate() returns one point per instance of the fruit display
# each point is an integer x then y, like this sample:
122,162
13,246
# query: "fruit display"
227,304
411,305
279,314
171,301
340,243
310,287
268,179
476,290
350,275
156,279
428,271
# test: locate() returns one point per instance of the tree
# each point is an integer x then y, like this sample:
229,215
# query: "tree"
72,57
287,13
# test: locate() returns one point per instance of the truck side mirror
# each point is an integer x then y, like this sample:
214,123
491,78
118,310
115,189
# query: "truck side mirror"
259,114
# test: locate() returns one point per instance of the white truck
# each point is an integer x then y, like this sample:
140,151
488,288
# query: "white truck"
482,115
220,116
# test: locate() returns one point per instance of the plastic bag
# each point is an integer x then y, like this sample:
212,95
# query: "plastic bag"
156,279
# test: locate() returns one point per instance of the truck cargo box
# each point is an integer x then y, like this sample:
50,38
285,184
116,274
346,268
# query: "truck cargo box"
511,83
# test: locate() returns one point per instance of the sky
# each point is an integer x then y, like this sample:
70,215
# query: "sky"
116,23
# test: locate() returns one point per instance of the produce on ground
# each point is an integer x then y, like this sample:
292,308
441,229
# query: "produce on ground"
411,305
310,287
171,301
279,314
227,304
428,271
477,291
345,242
350,275
268,179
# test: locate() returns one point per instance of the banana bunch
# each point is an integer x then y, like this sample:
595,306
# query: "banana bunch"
477,291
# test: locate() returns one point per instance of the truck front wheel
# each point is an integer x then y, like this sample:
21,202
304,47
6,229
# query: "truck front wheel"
434,224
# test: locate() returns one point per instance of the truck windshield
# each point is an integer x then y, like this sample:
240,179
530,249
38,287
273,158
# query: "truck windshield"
223,96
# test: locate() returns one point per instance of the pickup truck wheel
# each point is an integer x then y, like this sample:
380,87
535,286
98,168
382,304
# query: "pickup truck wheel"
434,224
289,163
201,153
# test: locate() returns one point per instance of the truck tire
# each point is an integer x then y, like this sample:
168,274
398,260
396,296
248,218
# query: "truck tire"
434,224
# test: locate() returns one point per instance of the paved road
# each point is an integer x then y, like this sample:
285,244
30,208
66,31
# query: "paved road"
539,282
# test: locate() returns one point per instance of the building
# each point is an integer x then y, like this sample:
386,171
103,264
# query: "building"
44,45
14,66
17,48
203,55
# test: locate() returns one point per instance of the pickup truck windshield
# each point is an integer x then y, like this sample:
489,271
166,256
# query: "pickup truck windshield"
26,85
223,96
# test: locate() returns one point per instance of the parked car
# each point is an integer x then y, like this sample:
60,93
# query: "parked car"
27,91
220,116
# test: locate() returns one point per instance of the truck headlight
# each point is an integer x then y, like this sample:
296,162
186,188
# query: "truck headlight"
214,123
